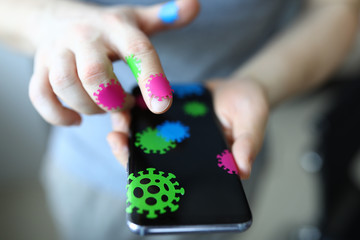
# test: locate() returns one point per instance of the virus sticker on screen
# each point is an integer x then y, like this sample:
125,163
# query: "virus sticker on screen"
153,193
173,131
150,141
195,108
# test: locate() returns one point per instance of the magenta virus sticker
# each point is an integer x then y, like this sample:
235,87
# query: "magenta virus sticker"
226,161
159,87
110,96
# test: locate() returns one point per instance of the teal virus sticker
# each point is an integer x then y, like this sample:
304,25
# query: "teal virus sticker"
152,193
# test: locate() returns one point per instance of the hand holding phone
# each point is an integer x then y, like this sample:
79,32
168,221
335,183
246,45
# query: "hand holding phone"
182,177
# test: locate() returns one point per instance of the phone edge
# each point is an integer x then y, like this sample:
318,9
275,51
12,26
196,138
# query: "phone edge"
152,230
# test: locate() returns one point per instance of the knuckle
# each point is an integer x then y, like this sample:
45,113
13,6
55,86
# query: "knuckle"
118,17
112,18
61,80
141,47
81,31
91,73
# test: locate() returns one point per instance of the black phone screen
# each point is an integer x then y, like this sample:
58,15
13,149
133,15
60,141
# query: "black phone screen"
180,169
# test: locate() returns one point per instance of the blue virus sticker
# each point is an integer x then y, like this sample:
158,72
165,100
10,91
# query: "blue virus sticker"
183,91
173,131
169,13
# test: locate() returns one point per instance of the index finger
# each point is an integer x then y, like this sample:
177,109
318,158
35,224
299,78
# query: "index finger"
144,62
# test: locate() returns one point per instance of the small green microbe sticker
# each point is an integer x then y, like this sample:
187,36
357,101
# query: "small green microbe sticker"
152,192
150,141
134,65
195,108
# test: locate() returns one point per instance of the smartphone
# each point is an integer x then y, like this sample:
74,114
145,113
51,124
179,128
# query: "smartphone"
182,176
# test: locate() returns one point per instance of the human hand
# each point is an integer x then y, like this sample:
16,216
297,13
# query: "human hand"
242,108
75,46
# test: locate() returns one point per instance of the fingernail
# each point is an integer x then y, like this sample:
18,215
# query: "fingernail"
160,92
245,170
159,106
169,13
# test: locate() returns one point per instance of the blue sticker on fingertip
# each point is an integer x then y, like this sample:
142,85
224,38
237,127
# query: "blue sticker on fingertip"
169,13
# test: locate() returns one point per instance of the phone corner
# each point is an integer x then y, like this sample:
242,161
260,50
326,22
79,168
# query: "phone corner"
134,228
246,225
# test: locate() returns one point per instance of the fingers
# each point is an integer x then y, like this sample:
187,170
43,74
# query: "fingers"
138,52
44,99
96,74
67,85
143,60
121,121
118,139
172,14
118,142
242,109
81,73
249,124
244,150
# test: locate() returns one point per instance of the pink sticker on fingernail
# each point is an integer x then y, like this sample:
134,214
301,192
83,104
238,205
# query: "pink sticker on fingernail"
110,96
159,87
226,161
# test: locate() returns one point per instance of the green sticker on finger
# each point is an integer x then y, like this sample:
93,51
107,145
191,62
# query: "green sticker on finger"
134,65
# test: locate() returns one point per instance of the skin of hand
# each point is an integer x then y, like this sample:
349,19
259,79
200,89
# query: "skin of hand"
302,61
242,108
75,44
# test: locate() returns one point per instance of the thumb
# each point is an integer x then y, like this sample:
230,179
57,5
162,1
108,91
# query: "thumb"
242,108
172,14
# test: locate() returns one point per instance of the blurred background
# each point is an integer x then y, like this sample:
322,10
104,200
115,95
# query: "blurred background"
301,195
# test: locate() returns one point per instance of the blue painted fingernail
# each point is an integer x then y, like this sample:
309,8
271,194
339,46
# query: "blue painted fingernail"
169,13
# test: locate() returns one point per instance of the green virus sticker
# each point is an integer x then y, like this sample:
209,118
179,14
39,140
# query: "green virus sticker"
195,108
150,141
134,65
152,193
